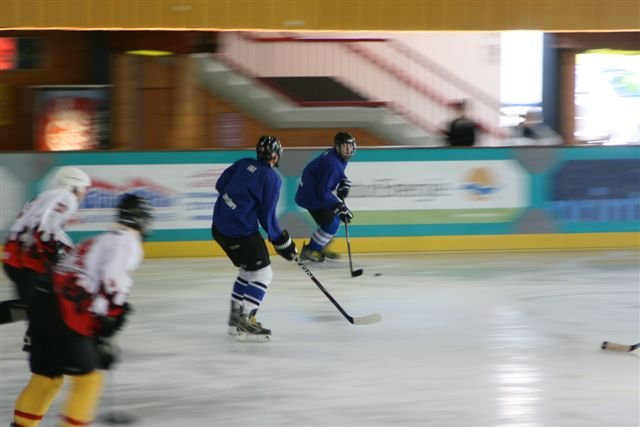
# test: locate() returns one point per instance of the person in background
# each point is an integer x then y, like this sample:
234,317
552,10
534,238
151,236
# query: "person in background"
322,190
73,316
36,241
532,131
461,131
248,193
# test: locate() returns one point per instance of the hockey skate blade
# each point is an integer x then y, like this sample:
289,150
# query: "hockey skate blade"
367,320
252,338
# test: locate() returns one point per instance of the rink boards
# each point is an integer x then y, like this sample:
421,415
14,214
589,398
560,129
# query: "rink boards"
412,199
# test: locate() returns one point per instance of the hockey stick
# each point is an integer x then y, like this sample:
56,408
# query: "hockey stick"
364,320
115,417
612,346
359,271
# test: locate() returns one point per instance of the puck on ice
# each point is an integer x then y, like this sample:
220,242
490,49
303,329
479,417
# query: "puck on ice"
378,274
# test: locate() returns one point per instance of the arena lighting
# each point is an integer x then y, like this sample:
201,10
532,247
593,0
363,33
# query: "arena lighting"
149,52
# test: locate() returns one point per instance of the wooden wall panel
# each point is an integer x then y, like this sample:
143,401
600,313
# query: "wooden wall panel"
65,64
610,40
338,15
157,118
124,114
567,95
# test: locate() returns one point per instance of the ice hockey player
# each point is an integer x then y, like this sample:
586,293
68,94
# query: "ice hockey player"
248,193
322,190
37,241
73,317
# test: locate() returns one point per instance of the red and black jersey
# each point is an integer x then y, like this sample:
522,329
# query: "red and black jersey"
38,232
95,279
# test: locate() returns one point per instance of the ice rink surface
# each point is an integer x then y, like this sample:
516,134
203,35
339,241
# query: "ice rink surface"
473,340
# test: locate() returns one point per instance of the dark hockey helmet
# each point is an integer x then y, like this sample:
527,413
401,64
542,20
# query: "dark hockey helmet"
268,148
345,145
135,212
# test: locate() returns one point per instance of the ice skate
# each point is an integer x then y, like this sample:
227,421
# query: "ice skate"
234,317
309,254
328,253
250,330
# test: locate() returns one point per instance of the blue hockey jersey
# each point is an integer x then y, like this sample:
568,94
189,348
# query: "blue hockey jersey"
248,193
319,180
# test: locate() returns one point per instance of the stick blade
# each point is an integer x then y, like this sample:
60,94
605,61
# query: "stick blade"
118,419
357,272
367,320
612,346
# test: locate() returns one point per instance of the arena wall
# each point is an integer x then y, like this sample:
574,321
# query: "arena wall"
404,200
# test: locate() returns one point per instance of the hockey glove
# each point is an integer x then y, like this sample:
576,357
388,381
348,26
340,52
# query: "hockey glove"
343,188
109,325
50,250
108,353
343,212
285,247
60,253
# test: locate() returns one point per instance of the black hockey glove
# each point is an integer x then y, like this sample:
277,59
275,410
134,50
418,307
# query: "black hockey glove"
343,188
108,353
285,247
343,212
60,253
50,249
109,325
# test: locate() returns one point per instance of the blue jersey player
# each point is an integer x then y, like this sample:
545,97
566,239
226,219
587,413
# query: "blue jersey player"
248,192
322,190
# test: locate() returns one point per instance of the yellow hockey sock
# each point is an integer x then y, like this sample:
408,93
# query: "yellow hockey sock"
35,399
82,401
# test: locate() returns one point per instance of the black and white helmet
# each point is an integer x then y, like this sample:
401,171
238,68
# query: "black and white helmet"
345,145
135,212
268,148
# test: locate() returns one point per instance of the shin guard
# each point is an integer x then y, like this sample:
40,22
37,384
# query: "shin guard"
82,401
35,399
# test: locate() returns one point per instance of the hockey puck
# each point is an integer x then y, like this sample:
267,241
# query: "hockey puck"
378,274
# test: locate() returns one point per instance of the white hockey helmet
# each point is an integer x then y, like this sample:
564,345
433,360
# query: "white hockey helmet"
72,179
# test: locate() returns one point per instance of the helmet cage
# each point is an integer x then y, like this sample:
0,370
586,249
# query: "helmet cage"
268,148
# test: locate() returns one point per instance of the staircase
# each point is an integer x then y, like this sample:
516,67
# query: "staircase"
412,94
227,79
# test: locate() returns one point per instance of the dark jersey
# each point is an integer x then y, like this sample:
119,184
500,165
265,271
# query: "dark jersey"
462,133
319,180
248,193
